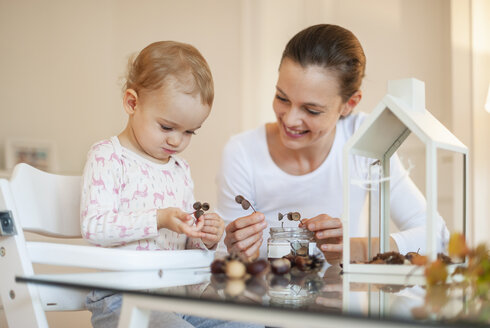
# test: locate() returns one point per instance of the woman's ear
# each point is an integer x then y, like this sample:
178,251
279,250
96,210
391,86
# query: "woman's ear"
349,106
130,100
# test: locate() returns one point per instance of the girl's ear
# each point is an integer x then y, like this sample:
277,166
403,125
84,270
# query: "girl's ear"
349,106
130,100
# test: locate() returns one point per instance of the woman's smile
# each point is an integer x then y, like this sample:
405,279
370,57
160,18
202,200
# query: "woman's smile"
294,133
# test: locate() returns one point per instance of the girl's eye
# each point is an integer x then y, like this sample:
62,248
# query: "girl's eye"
190,132
166,128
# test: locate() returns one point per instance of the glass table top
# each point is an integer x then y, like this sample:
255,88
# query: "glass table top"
380,299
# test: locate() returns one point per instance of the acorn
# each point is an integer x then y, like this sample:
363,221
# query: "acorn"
280,266
235,269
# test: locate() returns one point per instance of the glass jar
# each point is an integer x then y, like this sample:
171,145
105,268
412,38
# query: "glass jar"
285,240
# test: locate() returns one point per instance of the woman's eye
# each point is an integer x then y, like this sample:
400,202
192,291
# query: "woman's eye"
166,128
312,112
282,99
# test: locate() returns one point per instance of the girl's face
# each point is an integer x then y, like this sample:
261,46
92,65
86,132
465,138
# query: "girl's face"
308,104
164,120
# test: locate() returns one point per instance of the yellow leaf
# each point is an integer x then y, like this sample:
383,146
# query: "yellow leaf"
457,246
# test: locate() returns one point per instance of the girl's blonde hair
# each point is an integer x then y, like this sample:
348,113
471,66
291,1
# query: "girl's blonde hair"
159,60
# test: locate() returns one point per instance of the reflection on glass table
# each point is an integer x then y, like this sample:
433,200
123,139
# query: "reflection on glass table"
323,299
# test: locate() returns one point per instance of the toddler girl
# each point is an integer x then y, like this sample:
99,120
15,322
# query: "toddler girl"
137,194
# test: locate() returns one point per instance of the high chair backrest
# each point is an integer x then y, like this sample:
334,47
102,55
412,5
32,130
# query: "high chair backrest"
44,203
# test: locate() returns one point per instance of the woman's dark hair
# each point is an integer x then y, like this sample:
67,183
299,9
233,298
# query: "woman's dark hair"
332,47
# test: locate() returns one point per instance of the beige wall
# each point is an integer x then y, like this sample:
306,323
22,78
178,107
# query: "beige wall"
62,62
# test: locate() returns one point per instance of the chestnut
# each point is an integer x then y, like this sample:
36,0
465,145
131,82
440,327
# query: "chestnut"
280,266
218,266
280,281
257,267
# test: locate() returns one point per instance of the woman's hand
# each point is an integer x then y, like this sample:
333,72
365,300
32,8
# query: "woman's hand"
173,218
328,235
244,235
213,229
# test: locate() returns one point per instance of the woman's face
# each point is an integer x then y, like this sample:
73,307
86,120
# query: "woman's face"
307,104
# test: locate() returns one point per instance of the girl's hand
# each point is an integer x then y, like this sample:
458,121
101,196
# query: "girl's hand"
328,235
213,229
244,235
175,219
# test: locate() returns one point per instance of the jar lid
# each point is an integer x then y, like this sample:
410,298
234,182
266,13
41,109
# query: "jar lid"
292,230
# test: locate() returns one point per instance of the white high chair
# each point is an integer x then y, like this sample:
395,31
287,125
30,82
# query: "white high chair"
49,205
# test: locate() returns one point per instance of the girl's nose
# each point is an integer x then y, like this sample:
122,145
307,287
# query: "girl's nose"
174,139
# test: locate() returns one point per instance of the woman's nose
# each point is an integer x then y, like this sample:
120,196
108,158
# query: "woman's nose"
292,116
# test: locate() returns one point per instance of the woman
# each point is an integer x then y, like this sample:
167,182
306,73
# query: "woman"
295,163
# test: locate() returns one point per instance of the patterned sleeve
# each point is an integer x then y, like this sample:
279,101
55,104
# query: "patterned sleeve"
104,218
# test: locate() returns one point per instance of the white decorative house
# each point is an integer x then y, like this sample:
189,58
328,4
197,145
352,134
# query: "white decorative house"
401,112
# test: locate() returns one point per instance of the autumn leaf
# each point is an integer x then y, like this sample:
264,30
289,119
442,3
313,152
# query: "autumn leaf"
457,246
436,273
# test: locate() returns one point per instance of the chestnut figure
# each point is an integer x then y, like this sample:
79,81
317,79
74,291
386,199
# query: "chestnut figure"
257,267
218,266
245,203
280,266
235,269
199,209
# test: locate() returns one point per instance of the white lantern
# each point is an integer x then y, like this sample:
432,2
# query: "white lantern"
401,112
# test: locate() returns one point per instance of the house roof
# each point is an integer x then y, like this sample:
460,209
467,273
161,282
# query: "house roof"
401,112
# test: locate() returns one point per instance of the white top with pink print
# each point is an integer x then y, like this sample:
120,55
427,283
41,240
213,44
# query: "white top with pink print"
121,193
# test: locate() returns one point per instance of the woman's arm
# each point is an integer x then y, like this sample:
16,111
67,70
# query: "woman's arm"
243,234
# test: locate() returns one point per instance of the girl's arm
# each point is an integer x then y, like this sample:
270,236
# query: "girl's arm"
107,218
